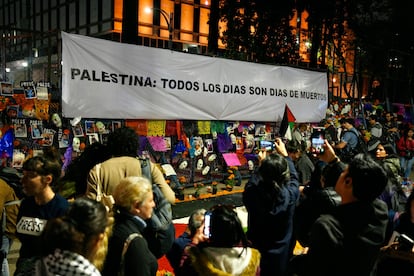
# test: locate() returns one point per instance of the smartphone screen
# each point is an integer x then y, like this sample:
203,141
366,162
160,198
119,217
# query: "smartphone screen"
317,140
207,220
267,145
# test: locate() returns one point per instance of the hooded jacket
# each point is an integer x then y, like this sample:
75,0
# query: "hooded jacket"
221,261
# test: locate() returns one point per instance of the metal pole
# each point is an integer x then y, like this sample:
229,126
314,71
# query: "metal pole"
170,30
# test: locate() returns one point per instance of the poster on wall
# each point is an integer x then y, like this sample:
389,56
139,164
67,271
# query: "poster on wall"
6,89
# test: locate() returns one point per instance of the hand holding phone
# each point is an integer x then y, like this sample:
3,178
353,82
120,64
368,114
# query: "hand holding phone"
318,140
267,145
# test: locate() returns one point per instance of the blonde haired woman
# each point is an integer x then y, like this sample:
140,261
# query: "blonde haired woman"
134,204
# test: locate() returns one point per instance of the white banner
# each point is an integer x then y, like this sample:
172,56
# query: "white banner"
105,79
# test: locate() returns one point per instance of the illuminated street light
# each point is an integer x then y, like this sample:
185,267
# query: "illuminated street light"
168,17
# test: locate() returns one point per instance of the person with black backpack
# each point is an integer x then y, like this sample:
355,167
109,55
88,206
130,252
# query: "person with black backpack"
375,130
351,141
123,145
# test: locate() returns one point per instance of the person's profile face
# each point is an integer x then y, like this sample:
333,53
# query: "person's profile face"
341,183
146,207
33,183
380,152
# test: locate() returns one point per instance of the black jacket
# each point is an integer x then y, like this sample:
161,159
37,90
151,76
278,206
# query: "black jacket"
270,219
138,259
317,202
348,241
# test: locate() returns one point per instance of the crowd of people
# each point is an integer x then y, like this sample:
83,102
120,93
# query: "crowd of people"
342,205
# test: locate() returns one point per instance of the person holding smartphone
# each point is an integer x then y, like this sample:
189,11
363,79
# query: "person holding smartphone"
270,197
220,247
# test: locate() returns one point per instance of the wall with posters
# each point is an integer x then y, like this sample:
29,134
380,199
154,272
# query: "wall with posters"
195,150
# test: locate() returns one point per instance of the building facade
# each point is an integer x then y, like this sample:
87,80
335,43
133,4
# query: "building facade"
30,30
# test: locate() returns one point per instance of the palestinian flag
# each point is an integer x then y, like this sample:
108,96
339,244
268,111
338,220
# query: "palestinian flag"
287,124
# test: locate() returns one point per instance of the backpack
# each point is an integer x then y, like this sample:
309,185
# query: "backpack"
361,147
13,178
160,229
374,141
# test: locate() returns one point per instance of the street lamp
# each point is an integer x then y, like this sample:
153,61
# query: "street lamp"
169,19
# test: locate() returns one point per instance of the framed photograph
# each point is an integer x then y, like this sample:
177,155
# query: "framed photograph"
20,130
209,145
42,93
30,93
36,130
77,130
6,88
18,159
90,127
64,140
48,135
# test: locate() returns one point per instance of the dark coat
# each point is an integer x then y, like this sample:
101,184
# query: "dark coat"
348,241
138,259
270,220
317,202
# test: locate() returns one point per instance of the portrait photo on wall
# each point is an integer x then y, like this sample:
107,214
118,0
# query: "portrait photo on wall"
20,130
90,127
6,88
30,93
209,145
36,130
18,159
48,135
42,93
12,111
77,130
63,138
